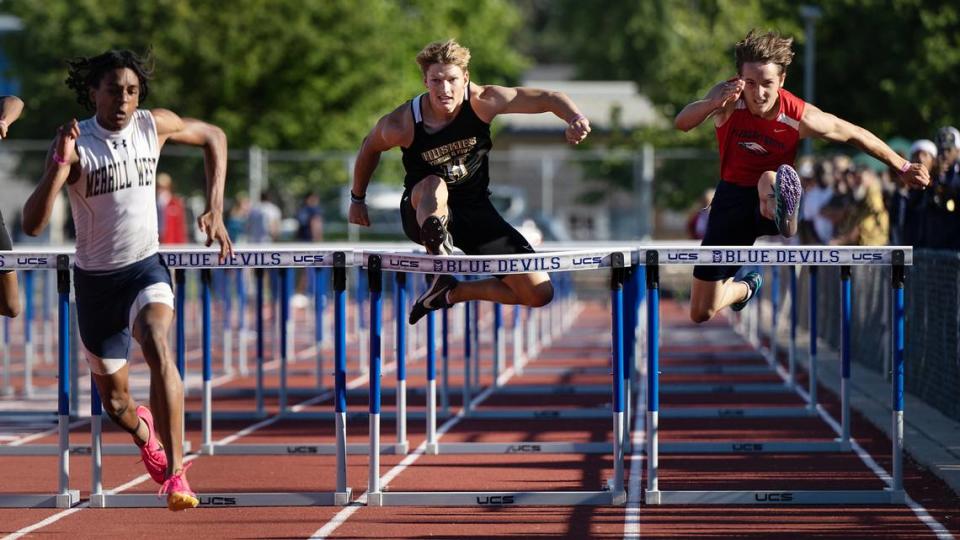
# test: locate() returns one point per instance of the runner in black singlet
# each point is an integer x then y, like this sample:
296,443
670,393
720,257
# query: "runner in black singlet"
444,135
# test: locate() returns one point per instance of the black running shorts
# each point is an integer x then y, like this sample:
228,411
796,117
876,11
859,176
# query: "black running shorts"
476,227
735,220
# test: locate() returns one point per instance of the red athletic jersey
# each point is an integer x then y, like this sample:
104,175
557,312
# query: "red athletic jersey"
750,145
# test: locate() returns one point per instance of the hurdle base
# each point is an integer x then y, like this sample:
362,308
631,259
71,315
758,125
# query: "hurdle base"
299,449
897,496
30,500
734,388
497,498
224,500
734,412
844,445
752,447
68,499
539,414
342,498
771,497
197,416
432,449
556,390
79,450
521,447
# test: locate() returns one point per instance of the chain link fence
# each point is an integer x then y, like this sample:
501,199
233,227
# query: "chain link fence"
932,297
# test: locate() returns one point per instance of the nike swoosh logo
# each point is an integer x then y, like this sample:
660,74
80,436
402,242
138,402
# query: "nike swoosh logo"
433,294
779,130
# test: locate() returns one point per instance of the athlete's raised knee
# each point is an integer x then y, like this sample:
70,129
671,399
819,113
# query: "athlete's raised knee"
541,295
701,315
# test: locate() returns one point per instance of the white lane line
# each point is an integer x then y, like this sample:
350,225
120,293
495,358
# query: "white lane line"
631,518
918,509
41,524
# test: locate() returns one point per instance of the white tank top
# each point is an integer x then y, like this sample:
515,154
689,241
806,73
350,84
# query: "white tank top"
114,202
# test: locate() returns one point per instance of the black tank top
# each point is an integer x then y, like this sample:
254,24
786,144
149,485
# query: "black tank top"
457,153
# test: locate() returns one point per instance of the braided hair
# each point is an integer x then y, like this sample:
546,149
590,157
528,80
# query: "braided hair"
85,73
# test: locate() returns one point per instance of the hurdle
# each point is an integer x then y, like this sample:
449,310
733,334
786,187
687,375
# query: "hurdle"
64,497
753,320
377,495
37,262
896,257
537,334
205,260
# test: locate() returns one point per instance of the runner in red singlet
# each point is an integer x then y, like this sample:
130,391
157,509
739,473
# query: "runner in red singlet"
759,125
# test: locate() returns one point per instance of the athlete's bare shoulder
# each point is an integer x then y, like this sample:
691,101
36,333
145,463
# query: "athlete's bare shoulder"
396,127
490,100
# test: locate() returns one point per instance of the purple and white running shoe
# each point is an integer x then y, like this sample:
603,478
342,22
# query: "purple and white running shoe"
787,191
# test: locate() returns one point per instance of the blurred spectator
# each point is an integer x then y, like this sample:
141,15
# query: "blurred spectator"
924,152
310,219
171,213
237,218
907,205
865,222
697,221
263,224
819,181
942,219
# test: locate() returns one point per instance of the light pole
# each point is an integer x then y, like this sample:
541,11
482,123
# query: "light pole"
810,15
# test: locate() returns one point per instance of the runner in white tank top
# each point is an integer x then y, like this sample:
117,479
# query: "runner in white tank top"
114,201
108,164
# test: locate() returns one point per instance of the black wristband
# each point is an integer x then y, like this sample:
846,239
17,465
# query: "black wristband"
5,243
358,199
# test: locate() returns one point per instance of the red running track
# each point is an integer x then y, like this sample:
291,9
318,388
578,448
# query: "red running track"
582,346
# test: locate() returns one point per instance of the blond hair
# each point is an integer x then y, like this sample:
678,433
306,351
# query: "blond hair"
767,48
444,52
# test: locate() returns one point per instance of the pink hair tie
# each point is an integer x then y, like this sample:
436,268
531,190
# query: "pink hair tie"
905,167
59,160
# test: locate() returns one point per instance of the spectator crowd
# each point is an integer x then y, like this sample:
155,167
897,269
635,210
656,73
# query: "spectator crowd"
849,202
857,201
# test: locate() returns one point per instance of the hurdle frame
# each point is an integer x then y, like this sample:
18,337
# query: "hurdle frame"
615,494
342,494
64,497
897,257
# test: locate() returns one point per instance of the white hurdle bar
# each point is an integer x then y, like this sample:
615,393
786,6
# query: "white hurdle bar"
896,257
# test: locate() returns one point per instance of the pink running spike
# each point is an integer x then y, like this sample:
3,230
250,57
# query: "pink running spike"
152,454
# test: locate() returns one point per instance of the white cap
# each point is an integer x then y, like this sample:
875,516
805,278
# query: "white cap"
948,137
925,145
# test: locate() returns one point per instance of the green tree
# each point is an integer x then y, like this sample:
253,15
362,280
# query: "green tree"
280,74
881,64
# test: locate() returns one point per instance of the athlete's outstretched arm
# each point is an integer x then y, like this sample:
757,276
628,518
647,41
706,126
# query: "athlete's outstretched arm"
718,102
389,132
60,160
10,109
493,100
9,288
212,139
822,125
